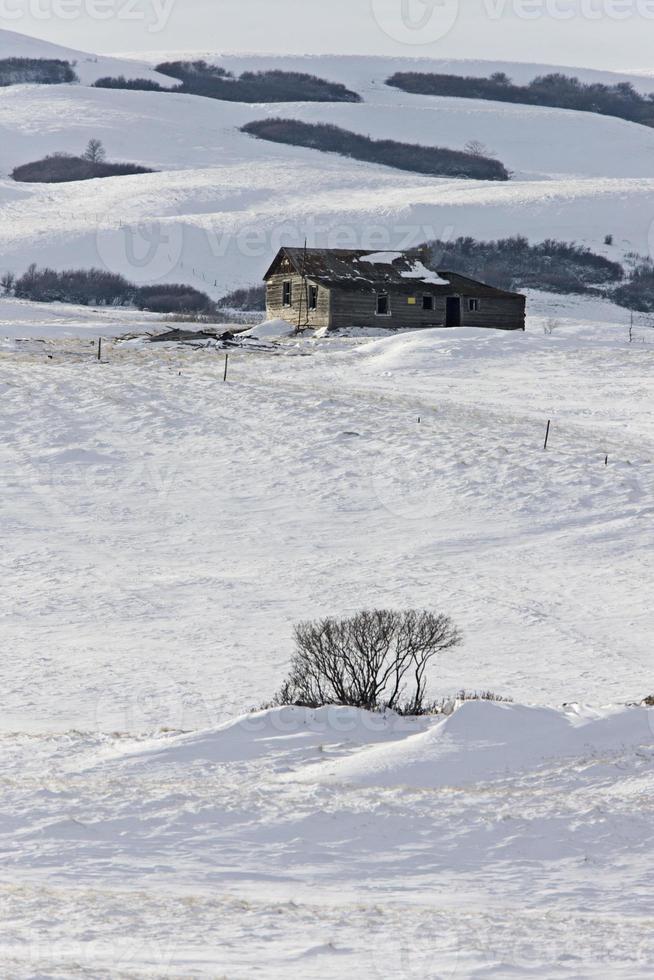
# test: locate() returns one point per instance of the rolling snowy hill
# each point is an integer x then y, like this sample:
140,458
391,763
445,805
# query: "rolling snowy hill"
163,530
223,202
88,67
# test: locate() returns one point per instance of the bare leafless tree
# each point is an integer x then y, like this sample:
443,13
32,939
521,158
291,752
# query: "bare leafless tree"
478,149
375,659
95,152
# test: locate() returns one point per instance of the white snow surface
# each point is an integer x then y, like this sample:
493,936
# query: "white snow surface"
164,530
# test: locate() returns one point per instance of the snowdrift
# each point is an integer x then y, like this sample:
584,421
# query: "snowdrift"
288,731
486,740
479,741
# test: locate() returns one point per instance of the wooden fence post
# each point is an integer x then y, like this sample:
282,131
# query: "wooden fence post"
226,363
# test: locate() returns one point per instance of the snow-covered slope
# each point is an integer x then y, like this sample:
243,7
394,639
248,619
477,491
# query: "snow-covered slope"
224,202
89,67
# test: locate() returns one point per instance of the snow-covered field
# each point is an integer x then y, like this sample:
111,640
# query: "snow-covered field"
162,531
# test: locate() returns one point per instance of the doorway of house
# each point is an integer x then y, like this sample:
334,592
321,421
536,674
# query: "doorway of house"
453,311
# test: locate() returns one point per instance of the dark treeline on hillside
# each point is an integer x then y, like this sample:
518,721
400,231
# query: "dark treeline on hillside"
172,298
199,78
137,84
637,293
555,90
214,82
35,71
247,299
97,287
433,160
512,263
60,168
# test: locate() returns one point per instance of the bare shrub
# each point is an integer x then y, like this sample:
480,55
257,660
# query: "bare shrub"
446,705
375,659
478,149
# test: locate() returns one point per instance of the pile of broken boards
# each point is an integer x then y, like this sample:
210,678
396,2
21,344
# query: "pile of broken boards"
215,338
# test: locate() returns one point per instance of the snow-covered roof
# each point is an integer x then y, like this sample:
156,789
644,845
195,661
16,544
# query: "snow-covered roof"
364,271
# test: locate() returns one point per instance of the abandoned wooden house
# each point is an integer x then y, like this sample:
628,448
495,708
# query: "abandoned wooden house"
318,287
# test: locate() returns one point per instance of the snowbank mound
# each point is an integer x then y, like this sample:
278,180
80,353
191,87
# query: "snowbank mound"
480,741
418,350
485,740
277,731
270,330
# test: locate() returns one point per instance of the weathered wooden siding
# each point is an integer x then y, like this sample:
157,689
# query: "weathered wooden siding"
499,312
275,309
350,308
359,309
346,308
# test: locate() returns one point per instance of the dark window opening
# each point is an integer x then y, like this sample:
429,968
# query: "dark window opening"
313,297
288,294
383,304
428,302
473,305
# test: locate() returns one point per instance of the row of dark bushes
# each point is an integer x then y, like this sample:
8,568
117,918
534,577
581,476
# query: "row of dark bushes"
637,293
561,267
433,160
514,263
35,71
97,287
555,90
249,299
135,84
60,168
214,82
